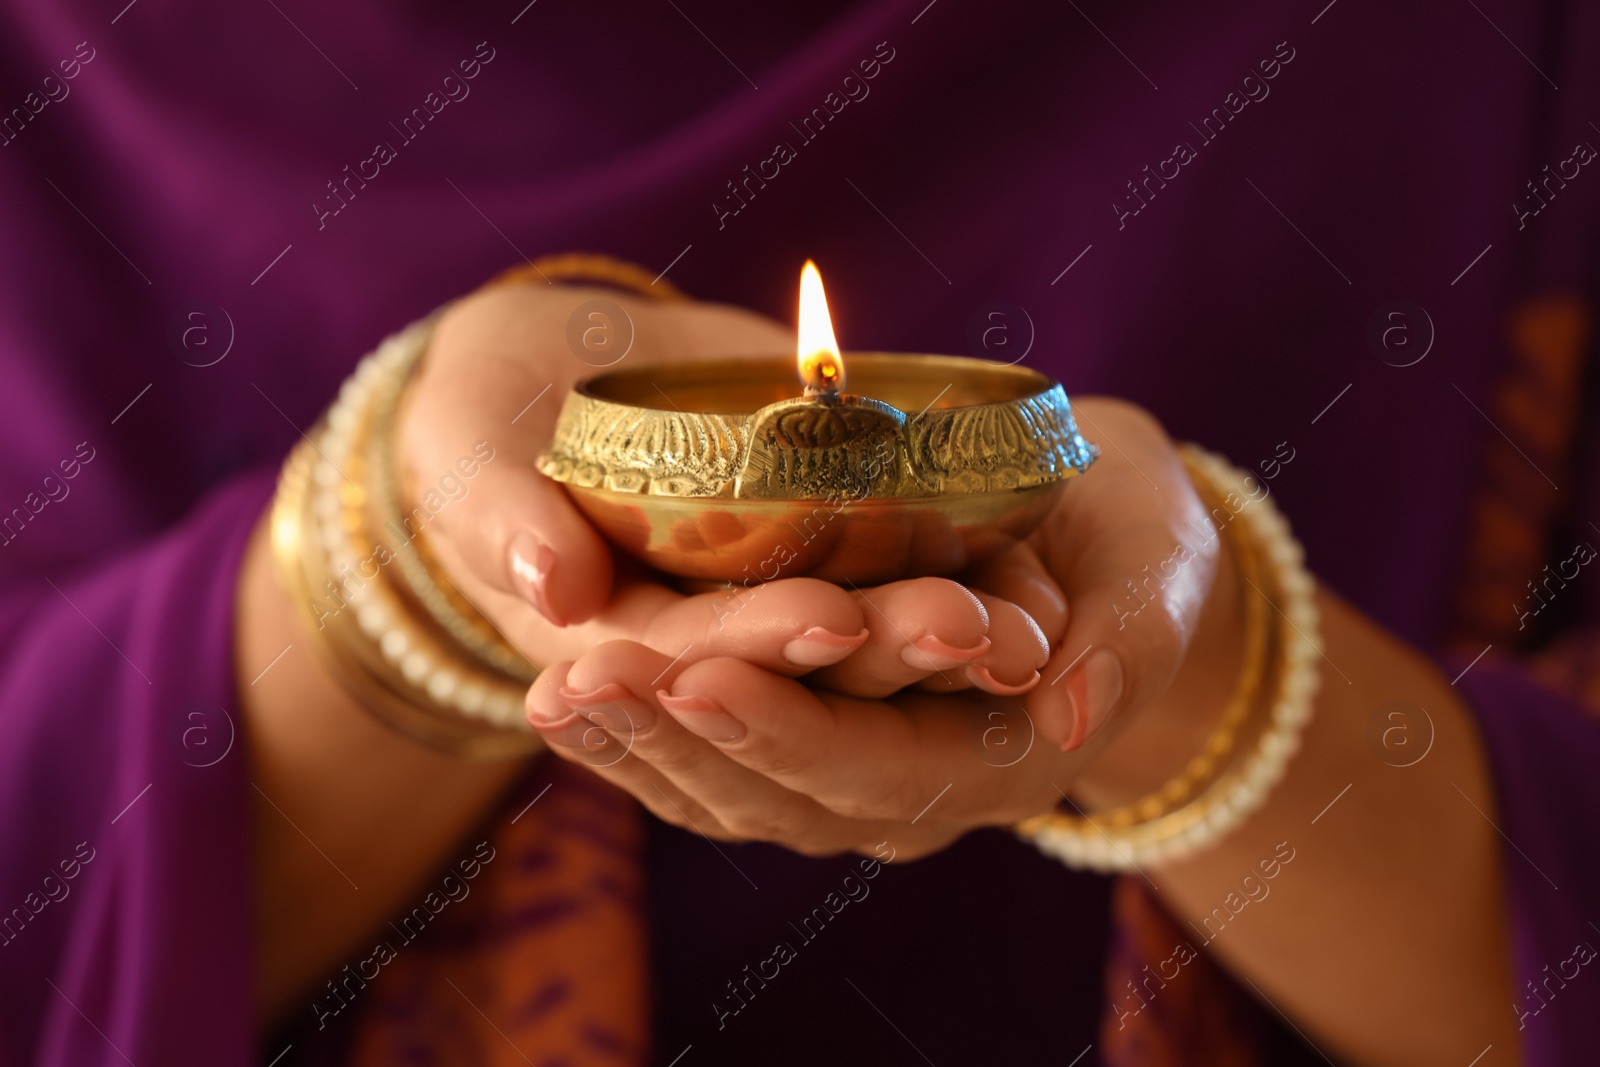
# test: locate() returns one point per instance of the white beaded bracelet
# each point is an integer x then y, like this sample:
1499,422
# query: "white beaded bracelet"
390,656
1235,794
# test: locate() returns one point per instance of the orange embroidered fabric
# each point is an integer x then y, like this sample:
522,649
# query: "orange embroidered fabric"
1535,408
1513,570
1167,1003
543,960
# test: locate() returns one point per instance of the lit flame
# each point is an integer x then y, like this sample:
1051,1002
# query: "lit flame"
821,366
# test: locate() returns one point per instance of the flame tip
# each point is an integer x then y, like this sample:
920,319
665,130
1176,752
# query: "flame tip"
821,365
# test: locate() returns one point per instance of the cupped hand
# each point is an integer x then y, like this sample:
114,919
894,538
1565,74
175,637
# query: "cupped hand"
734,751
512,541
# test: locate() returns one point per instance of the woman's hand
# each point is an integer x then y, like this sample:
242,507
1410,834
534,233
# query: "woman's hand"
734,752
391,810
737,752
1153,593
1402,870
498,367
516,546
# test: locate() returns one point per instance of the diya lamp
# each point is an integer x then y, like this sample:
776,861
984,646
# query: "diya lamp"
716,470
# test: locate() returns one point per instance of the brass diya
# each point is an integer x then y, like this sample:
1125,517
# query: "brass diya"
707,470
715,470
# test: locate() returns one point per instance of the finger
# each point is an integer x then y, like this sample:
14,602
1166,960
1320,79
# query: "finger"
789,626
1137,580
792,625
579,740
616,686
513,530
522,535
1020,576
862,759
498,367
915,628
1017,650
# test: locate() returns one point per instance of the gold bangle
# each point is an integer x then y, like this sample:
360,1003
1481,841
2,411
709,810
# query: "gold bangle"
590,267
423,577
1291,654
406,670
426,580
442,675
1205,764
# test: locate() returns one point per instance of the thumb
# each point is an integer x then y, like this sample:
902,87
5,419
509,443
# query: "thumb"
520,533
1134,610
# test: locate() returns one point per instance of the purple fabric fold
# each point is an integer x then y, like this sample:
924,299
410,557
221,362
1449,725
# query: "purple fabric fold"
1543,751
124,807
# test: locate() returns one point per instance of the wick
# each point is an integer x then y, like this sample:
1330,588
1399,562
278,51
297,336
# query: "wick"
822,394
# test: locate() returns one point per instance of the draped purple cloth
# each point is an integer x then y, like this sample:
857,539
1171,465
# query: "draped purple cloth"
126,815
1535,739
210,212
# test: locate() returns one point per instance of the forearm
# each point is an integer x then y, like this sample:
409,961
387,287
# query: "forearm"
351,817
1385,937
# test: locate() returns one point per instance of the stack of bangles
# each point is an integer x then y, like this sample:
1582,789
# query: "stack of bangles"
404,642
1259,730
386,620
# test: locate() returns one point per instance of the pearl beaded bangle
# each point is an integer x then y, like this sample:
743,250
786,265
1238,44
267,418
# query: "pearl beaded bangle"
393,658
422,578
407,645
1088,842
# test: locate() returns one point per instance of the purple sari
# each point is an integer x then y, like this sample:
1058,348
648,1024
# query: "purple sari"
212,212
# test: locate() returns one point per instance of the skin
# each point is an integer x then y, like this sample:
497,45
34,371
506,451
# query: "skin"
351,819
738,741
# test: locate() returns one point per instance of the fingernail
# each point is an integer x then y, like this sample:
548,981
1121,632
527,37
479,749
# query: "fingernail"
551,717
984,679
702,717
819,647
606,693
530,562
1078,701
930,653
1095,689
1048,591
613,708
